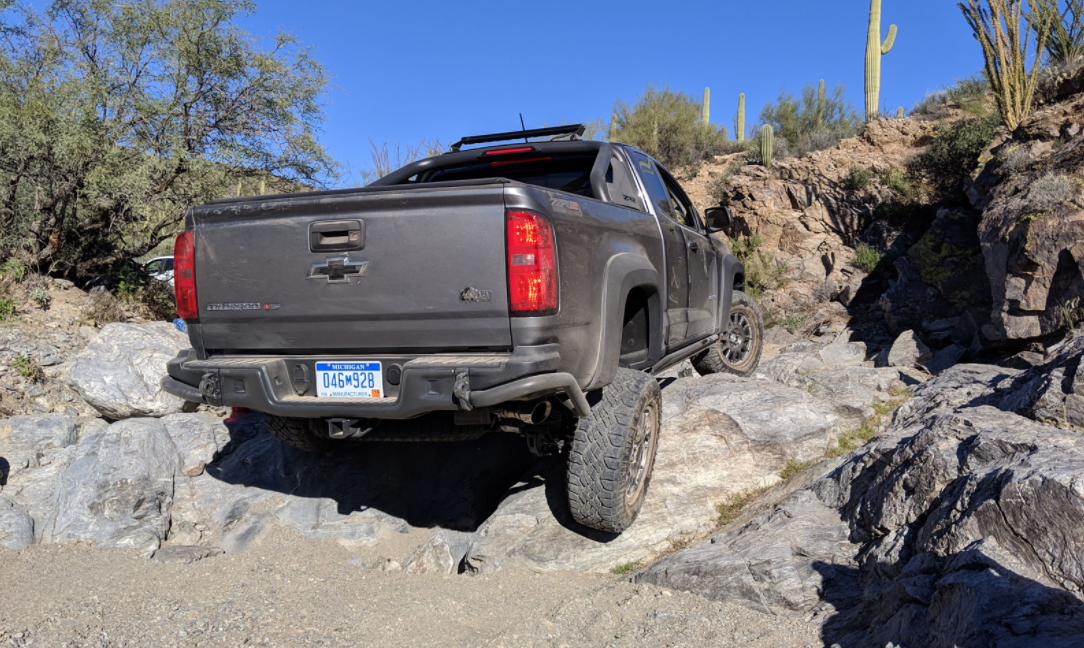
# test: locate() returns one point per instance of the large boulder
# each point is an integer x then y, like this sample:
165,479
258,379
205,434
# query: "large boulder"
721,436
120,371
962,525
118,489
1032,229
24,438
16,525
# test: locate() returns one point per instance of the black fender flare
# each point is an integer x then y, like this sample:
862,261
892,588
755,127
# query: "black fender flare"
733,278
624,273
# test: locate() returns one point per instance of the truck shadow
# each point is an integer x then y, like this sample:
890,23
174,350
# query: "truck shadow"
453,485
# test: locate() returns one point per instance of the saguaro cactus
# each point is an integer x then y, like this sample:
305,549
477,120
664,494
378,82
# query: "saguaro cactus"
767,140
875,49
705,110
613,127
820,105
740,126
899,113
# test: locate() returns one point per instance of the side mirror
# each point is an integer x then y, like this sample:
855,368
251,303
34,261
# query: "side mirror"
718,219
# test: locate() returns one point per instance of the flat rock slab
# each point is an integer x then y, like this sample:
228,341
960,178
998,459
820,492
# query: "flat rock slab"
24,438
721,435
120,370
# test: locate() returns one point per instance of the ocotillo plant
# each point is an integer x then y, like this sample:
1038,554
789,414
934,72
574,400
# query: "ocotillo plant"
875,49
705,110
739,127
767,139
613,127
820,104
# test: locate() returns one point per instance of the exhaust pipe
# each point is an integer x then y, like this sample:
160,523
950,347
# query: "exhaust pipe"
532,414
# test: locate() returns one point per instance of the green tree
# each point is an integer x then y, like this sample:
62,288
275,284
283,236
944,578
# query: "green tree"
117,117
666,124
795,118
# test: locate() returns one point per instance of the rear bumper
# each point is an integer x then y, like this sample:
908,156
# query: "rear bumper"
451,382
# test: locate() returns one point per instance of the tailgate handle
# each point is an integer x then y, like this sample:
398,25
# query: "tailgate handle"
336,236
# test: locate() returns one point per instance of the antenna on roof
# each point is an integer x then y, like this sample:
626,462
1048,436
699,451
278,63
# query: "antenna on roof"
523,126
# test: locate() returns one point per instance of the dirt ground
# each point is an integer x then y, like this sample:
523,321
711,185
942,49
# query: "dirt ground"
291,591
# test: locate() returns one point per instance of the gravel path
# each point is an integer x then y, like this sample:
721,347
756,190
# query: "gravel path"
289,591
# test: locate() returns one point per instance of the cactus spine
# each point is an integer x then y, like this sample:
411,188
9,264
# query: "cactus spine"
767,139
613,127
875,49
740,126
820,105
705,110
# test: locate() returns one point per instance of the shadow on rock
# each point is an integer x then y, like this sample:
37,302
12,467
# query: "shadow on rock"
454,485
964,599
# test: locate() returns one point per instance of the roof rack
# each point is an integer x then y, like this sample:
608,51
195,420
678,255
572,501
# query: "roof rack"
575,130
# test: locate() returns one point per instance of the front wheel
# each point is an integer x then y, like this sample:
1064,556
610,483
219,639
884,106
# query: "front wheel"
739,347
613,453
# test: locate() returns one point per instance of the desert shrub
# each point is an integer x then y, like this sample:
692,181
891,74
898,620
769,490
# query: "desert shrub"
40,296
792,322
1016,160
1050,191
13,270
820,140
26,367
762,270
666,124
857,179
104,309
899,183
795,117
866,257
7,308
970,93
954,154
717,188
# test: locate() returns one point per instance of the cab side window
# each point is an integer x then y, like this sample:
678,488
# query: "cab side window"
684,211
656,190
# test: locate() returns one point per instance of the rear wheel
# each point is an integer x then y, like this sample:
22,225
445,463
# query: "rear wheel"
613,453
738,349
303,434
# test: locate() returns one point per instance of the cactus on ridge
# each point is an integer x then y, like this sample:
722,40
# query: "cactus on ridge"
875,49
767,139
739,128
705,110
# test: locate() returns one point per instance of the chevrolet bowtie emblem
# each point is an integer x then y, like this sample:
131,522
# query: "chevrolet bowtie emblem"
338,270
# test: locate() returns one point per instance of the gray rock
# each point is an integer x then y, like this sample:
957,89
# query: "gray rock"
24,438
907,351
118,489
184,554
119,371
961,525
442,554
16,525
945,358
198,438
721,436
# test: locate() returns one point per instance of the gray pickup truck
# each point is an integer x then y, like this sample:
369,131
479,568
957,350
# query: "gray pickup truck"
533,287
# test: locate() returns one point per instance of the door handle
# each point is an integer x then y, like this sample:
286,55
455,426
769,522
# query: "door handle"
337,236
694,246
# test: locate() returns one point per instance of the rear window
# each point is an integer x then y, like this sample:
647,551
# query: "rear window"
571,174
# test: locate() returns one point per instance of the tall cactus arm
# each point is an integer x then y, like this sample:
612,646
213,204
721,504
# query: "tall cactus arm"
890,40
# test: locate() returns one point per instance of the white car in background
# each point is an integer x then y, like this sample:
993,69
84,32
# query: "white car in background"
160,269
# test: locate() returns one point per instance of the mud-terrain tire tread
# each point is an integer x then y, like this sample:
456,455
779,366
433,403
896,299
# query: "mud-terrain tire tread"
303,434
599,456
712,361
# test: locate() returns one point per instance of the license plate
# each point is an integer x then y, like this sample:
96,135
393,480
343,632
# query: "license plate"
349,380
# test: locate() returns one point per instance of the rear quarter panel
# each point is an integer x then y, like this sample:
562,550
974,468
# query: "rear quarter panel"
603,251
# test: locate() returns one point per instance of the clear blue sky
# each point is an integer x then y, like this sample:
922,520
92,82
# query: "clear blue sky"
404,71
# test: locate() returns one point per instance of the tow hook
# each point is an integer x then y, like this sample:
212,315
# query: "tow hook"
210,387
461,390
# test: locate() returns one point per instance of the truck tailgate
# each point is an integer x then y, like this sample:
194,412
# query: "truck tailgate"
426,271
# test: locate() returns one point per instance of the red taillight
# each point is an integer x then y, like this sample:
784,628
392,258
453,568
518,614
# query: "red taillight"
507,151
532,267
184,276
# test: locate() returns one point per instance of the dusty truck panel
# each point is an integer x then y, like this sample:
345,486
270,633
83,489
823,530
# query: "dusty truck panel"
531,287
415,255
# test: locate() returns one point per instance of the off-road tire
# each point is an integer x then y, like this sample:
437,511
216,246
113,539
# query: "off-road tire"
740,345
613,453
303,434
